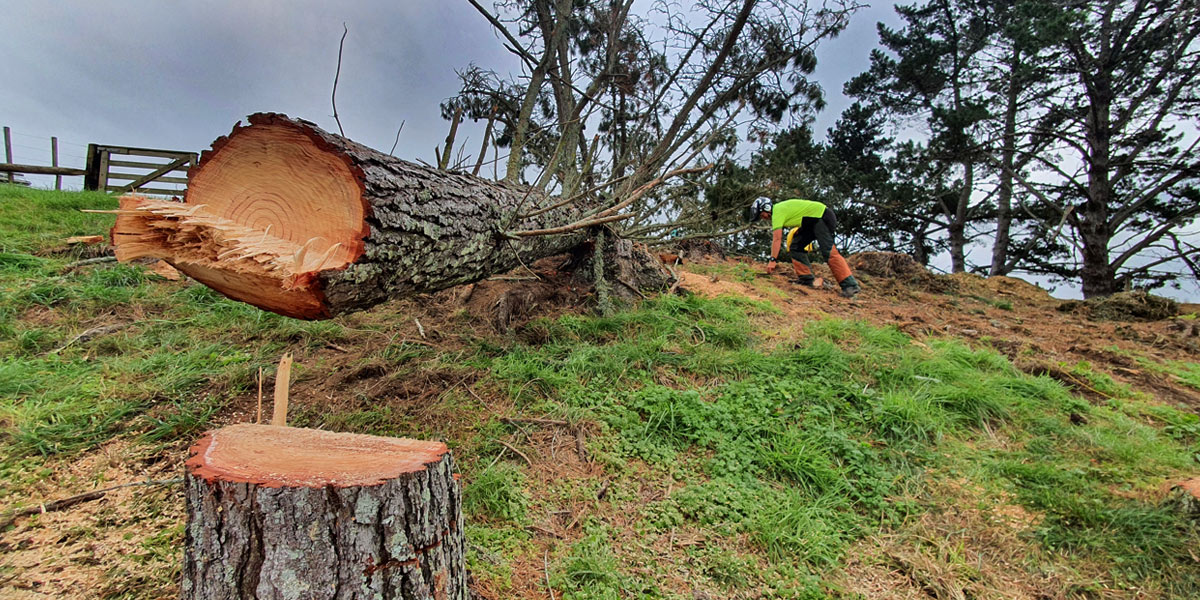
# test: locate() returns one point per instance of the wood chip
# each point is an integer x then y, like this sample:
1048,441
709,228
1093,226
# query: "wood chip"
163,269
86,239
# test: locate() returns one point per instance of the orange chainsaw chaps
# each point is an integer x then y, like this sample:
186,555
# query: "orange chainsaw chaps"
837,264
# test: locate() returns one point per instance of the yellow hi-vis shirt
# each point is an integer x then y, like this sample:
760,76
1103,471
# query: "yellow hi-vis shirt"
790,213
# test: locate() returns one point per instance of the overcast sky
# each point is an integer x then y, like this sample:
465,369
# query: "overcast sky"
176,75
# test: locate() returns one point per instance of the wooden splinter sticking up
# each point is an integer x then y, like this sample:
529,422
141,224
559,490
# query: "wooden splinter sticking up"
283,512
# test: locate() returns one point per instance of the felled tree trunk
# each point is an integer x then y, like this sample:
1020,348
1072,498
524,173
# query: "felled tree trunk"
281,512
305,223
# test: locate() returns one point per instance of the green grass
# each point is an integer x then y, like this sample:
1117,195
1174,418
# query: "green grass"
497,492
783,460
34,220
183,350
808,449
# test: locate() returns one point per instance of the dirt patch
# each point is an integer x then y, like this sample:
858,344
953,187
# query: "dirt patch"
712,286
892,265
42,316
1135,306
125,544
1001,287
901,269
976,546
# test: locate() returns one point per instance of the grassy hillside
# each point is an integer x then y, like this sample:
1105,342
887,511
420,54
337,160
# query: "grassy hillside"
689,447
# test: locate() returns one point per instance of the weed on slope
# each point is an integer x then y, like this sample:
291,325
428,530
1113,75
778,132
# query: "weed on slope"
804,451
91,351
672,450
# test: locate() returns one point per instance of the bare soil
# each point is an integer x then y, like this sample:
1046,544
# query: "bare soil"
100,547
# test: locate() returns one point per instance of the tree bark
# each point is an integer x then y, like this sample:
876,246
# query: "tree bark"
287,513
1098,276
956,226
305,223
1004,195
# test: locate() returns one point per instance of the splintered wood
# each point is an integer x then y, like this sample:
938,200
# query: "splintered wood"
188,234
309,224
283,379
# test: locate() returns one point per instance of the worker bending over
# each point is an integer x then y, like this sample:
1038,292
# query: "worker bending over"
813,222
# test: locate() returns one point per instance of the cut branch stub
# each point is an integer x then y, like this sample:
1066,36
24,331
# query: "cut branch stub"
305,223
281,512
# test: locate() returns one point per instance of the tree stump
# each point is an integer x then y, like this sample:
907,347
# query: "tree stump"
289,513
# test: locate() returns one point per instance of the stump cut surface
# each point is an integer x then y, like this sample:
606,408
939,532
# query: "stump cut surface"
272,456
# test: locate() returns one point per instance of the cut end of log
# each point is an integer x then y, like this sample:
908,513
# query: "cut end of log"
268,209
272,456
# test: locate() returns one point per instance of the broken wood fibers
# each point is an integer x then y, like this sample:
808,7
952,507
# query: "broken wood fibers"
283,378
308,224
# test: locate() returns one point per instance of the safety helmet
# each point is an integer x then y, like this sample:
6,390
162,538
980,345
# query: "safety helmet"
761,204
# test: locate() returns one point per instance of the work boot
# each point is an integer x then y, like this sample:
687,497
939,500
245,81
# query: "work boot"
806,280
850,287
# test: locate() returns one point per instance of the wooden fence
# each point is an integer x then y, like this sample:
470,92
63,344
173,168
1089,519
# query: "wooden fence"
9,169
118,169
139,167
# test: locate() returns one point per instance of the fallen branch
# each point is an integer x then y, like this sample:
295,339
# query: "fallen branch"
546,570
89,261
515,451
675,276
581,445
630,286
543,530
609,215
66,503
569,228
91,333
576,197
649,185
417,342
515,420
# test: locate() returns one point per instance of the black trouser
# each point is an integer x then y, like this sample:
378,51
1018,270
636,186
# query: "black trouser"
812,229
821,231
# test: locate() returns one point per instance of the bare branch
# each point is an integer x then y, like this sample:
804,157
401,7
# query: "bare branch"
608,215
393,150
336,75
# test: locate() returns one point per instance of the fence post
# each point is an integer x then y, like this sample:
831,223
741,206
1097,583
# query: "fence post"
8,151
92,166
54,161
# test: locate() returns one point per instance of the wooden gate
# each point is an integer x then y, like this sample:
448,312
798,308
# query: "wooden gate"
140,167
